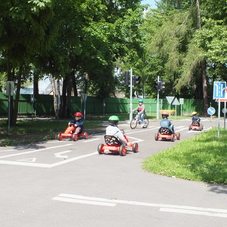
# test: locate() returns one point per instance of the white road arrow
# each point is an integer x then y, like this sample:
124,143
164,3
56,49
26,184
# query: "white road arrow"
59,154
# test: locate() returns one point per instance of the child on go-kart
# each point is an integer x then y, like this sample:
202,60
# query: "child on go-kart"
166,123
78,123
113,130
195,119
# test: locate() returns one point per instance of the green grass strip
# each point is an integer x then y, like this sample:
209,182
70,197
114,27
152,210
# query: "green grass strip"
200,158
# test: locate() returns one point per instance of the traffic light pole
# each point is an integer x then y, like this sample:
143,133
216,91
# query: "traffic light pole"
130,112
157,106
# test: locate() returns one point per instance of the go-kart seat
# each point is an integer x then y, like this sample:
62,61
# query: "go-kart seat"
112,140
195,123
164,131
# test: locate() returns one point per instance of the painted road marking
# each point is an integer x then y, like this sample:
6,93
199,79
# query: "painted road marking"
42,165
136,140
194,212
91,140
27,160
59,154
33,151
163,207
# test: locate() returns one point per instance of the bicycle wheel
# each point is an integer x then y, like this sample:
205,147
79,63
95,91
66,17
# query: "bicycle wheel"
133,123
146,123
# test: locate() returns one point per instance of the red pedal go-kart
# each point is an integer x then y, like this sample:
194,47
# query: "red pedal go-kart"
165,134
196,126
113,144
68,133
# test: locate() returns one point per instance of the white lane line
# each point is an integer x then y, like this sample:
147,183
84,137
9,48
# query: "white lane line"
33,151
182,211
163,207
73,159
136,140
83,201
90,140
142,130
182,129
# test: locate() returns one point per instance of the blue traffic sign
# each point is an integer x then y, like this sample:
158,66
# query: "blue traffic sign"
211,110
219,90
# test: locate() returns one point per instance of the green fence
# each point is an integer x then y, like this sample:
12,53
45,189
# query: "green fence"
43,105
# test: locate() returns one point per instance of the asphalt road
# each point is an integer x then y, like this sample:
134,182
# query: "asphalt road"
67,183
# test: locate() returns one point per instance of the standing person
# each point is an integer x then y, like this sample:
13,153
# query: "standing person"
141,111
113,130
195,118
166,123
77,122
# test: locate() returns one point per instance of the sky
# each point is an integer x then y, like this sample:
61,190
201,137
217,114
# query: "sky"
150,2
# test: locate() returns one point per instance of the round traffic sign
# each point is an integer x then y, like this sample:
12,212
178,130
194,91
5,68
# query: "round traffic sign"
211,110
224,110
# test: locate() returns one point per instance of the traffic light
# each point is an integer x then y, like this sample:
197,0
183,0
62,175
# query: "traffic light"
161,85
127,78
135,80
156,85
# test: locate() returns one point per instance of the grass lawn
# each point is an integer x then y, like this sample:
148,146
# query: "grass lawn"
200,158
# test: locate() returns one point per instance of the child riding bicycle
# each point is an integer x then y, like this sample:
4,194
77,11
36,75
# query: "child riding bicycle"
141,112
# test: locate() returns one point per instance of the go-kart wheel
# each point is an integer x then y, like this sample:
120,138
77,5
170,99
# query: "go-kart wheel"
189,128
100,148
122,150
178,136
133,123
173,137
85,135
201,128
59,136
75,137
156,136
135,148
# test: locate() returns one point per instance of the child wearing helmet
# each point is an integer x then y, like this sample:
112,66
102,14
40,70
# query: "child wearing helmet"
141,111
77,122
195,118
166,123
113,130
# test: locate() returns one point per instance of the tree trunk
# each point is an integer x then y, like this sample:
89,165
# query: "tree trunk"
203,66
36,84
15,109
56,97
68,98
204,82
63,101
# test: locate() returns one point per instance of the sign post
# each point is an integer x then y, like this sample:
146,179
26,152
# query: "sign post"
170,99
181,104
9,93
84,97
219,90
176,103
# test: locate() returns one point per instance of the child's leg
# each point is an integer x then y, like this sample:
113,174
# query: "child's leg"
77,130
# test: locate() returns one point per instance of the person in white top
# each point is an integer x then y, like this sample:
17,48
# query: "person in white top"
113,130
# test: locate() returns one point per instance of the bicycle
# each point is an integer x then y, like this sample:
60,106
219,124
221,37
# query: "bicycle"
135,120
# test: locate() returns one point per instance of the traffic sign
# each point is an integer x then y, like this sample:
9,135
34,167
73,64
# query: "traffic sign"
224,110
181,101
219,89
170,99
211,110
175,102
